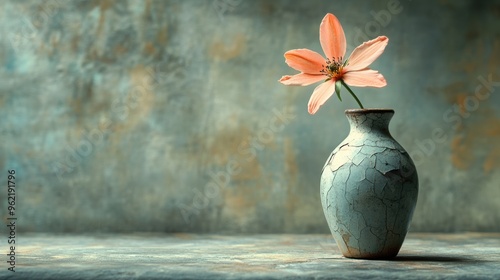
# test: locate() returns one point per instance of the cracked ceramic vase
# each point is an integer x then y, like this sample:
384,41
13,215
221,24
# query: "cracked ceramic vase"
369,188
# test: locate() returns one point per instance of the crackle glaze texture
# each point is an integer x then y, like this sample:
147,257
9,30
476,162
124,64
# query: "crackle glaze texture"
369,188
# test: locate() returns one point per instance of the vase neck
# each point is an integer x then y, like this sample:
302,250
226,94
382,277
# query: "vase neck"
369,120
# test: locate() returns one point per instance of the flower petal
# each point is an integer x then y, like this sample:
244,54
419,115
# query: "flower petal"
366,53
364,78
301,79
305,60
332,37
320,96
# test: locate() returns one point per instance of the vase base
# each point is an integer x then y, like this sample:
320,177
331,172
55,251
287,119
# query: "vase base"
372,257
386,255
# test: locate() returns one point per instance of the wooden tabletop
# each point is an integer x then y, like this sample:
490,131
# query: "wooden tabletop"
191,256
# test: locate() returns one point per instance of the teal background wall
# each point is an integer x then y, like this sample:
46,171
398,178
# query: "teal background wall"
167,115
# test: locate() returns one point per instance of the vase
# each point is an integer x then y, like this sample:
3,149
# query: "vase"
369,188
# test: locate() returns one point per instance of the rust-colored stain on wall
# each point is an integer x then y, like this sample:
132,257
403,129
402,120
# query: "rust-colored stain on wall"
162,36
461,156
292,171
149,48
225,51
240,201
223,145
104,5
483,133
479,127
290,159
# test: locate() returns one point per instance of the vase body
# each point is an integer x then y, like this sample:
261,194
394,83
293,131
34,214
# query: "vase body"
369,188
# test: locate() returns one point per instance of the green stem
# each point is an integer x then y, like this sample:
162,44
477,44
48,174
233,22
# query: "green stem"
353,95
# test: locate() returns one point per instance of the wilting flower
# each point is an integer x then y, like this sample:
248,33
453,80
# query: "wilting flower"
334,70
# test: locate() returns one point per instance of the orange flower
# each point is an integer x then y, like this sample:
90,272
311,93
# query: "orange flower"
334,70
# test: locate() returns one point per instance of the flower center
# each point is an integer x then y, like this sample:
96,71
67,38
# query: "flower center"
333,68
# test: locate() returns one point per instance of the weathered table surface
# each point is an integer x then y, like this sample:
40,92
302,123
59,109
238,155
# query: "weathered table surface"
186,256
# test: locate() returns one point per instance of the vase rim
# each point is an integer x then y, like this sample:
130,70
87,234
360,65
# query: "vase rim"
369,110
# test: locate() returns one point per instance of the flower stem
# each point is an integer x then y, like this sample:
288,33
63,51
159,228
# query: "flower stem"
353,95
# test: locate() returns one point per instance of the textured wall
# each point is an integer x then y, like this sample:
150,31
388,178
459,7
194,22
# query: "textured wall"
167,115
